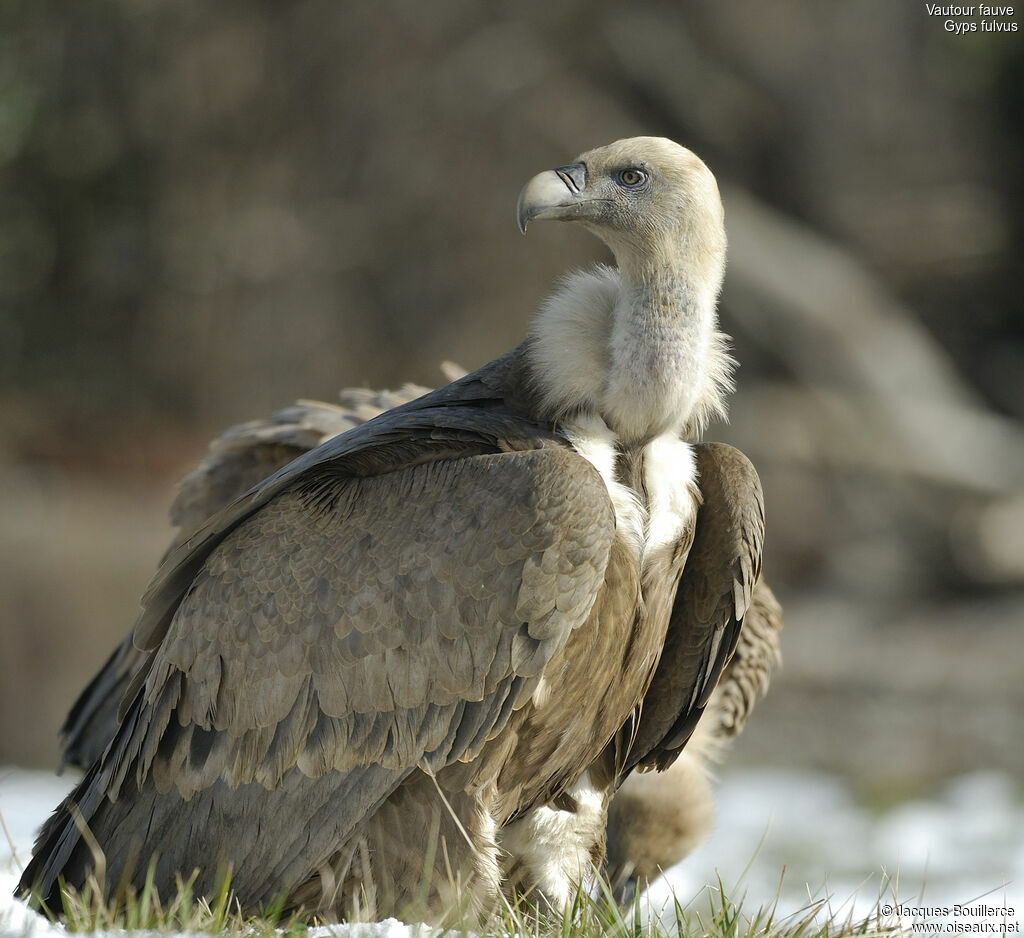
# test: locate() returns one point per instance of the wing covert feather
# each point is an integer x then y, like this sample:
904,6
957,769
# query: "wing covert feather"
350,631
343,634
236,461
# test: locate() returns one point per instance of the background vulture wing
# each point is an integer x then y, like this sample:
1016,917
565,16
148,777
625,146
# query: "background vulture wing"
747,675
248,453
381,604
713,596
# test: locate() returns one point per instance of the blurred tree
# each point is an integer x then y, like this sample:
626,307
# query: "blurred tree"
209,210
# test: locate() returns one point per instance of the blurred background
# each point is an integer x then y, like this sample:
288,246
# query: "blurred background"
210,210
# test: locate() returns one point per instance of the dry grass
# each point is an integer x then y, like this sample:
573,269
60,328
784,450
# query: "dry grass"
715,912
593,915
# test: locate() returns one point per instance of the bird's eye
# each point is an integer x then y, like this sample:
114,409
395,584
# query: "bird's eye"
631,178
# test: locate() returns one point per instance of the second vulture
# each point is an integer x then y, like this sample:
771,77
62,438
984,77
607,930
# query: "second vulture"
450,618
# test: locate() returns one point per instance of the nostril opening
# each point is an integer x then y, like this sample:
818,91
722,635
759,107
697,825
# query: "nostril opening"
567,179
574,177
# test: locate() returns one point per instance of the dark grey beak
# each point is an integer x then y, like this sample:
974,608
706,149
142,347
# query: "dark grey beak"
555,194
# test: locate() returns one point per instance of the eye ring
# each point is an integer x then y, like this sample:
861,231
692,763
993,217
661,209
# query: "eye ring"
631,177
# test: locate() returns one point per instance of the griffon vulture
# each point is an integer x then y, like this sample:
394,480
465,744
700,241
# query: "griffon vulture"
654,820
446,619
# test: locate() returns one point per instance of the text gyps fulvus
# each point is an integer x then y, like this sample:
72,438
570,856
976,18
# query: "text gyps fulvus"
446,619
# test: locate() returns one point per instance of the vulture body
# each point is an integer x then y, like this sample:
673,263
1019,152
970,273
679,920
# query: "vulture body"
446,619
655,818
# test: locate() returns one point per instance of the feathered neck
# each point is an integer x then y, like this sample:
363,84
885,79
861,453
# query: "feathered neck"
641,350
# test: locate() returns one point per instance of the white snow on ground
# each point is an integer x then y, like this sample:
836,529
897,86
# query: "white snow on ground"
965,843
25,800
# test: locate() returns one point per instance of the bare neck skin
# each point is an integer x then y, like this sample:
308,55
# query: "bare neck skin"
637,347
661,332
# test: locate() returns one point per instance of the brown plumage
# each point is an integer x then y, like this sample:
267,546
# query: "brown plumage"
441,620
658,818
235,461
655,819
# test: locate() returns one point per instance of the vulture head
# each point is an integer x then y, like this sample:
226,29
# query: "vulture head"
636,346
648,198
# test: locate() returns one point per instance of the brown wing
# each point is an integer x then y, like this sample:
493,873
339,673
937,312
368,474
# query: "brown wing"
234,462
713,596
657,818
345,632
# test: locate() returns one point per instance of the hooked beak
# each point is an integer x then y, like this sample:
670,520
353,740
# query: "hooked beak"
555,194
